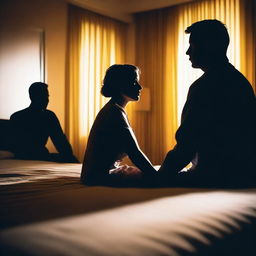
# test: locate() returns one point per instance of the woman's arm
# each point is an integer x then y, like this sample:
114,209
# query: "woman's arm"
135,154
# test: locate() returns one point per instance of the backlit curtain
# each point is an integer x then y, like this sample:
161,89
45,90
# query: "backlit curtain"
237,17
156,55
248,40
94,43
161,45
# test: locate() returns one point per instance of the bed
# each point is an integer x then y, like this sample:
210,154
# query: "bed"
46,211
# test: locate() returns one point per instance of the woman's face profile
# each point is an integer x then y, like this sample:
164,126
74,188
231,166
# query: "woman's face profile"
132,88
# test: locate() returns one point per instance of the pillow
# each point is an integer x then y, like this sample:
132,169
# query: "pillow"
6,154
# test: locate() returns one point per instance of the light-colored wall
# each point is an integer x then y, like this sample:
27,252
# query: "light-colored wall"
50,16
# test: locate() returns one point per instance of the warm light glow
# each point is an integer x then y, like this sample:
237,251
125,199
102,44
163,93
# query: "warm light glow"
186,74
95,43
21,64
94,60
227,11
144,102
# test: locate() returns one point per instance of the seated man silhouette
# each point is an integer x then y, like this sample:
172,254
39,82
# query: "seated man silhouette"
33,126
217,131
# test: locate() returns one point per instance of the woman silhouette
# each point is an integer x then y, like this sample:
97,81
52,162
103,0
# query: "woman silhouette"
111,137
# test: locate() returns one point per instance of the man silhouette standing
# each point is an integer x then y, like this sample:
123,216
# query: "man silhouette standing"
217,131
33,126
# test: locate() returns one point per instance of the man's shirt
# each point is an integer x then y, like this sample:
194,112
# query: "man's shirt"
217,131
31,130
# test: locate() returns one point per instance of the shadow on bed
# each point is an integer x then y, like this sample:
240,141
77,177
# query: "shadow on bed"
47,199
186,222
221,239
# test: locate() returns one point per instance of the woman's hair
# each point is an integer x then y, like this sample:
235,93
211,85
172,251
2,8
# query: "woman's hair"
116,78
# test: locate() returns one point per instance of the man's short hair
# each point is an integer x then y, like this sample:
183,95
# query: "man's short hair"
36,89
212,32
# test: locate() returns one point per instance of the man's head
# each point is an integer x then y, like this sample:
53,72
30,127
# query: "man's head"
39,95
209,41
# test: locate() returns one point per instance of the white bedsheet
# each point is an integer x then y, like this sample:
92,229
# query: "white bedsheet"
46,211
211,223
23,171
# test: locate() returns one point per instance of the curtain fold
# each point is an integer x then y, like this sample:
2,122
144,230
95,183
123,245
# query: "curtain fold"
248,40
94,43
156,55
161,46
228,12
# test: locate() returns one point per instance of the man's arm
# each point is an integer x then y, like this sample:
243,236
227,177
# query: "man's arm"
186,136
60,141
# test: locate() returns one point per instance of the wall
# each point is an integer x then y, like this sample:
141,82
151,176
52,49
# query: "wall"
17,18
47,15
26,15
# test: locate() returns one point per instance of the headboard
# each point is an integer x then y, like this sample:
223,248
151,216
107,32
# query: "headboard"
5,134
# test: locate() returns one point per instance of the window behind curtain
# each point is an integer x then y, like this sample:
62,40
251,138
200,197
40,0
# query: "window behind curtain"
161,46
228,12
95,43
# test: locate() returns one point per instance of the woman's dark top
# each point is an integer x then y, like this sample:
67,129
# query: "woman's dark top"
111,138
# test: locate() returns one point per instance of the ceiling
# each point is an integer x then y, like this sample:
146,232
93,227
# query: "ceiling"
123,9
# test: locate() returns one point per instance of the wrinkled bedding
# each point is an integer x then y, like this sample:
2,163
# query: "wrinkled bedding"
46,211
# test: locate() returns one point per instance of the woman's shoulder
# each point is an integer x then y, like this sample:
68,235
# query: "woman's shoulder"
112,110
111,115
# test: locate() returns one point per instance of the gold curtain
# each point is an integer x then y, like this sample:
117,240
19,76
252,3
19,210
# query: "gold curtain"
161,45
94,43
156,55
237,16
248,40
